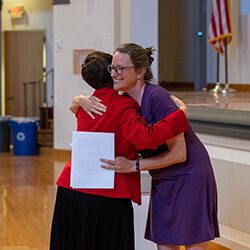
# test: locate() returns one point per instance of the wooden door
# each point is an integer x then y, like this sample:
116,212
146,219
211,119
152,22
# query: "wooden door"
23,62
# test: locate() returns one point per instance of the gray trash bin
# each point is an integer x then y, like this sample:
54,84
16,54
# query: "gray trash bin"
4,134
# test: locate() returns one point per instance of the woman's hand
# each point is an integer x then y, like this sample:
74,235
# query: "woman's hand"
120,165
90,104
180,104
74,105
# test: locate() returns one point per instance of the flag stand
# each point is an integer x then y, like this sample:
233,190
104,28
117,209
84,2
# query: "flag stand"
219,36
217,89
226,90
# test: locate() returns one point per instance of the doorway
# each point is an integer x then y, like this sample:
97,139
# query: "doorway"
182,44
23,63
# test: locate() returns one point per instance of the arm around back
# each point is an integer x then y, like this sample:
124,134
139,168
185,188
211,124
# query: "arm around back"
136,130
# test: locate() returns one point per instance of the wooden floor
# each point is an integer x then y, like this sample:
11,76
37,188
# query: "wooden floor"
27,191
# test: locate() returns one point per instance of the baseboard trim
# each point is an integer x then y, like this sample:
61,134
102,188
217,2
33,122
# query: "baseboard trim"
55,152
233,238
231,244
237,87
181,86
61,152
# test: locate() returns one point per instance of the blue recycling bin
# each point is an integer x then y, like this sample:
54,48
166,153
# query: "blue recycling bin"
24,135
4,134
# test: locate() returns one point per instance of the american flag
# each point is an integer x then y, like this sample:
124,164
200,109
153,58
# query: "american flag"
220,26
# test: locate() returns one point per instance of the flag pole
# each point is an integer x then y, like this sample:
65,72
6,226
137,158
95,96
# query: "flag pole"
226,90
217,88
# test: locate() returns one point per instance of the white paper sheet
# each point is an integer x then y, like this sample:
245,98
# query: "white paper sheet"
87,149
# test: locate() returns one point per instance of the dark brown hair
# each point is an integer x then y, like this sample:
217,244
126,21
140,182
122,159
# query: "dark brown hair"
139,56
94,70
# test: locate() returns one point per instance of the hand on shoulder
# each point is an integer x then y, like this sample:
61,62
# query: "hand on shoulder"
180,104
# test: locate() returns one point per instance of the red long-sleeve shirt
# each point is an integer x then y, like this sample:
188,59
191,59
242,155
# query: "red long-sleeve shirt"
131,133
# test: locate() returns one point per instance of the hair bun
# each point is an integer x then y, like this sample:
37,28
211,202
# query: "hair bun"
150,51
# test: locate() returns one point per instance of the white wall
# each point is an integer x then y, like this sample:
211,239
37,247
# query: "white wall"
144,27
140,219
125,21
81,24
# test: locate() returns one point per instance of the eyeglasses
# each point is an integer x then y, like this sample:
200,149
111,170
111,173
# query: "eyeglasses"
118,69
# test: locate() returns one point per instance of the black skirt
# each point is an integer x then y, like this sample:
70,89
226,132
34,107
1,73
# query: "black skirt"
91,222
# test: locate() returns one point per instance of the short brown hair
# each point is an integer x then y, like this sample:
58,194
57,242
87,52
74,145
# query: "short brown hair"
94,70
